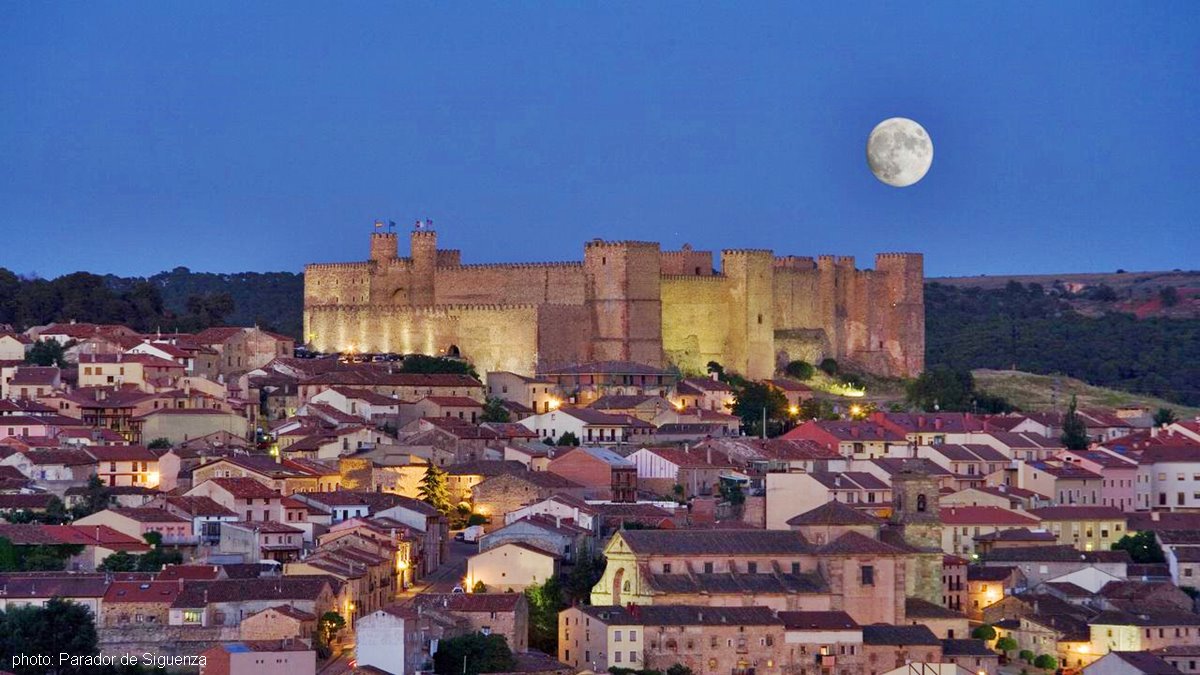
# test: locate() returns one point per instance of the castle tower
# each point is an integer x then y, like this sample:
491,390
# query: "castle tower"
915,509
383,247
903,311
623,296
423,246
750,278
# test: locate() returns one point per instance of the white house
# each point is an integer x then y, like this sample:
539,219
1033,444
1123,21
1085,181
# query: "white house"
591,427
380,638
510,568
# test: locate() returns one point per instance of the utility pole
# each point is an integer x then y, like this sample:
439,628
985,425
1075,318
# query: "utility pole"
764,423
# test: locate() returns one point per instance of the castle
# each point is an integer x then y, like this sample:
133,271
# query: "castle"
627,301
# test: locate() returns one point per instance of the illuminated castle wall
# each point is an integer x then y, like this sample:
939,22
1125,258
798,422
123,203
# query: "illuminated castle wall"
626,301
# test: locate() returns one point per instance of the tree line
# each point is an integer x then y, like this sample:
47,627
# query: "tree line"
179,300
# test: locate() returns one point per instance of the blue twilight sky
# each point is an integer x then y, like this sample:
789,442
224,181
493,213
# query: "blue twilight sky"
229,136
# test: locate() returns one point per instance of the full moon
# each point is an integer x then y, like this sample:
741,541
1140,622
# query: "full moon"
899,152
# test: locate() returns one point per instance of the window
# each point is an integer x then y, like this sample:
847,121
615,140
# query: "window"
633,636
752,567
708,568
795,568
868,575
633,657
921,503
666,568
616,636
617,657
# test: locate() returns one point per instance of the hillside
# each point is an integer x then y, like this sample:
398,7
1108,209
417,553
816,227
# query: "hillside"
1031,392
1031,329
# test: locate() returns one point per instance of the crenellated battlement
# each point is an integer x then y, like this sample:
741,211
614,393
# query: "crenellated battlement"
748,251
522,266
316,267
898,255
701,278
601,243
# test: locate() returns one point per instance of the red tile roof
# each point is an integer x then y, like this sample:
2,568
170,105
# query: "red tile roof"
143,592
985,515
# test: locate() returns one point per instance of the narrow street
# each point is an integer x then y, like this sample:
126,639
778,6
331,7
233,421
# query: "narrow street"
442,580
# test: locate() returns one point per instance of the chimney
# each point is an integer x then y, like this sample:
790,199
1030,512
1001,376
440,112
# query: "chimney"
708,454
715,377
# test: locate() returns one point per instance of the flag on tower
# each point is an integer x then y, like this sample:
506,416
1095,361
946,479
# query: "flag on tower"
417,225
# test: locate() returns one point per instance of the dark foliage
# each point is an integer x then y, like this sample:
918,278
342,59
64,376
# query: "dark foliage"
1143,548
473,653
1024,327
801,370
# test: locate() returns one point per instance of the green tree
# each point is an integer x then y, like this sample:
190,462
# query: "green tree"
1164,416
59,626
817,409
732,492
328,627
801,370
1143,547
714,367
568,438
984,632
479,587
433,489
1169,296
751,399
584,575
677,491
473,653
942,388
1026,656
46,353
96,497
545,602
9,561
828,366
1074,434
421,363
494,411
121,561
1045,662
159,444
679,669
1006,645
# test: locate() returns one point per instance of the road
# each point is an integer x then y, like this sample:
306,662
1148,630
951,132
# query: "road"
442,580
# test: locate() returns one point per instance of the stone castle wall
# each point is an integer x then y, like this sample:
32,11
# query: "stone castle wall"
625,301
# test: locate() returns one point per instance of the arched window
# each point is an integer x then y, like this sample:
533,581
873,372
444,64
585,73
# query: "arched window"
921,503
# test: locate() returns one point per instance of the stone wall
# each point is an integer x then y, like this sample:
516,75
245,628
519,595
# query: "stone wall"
695,321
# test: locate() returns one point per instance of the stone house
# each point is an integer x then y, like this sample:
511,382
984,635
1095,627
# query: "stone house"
278,623
501,494
504,614
138,603
973,656
227,602
126,465
887,647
